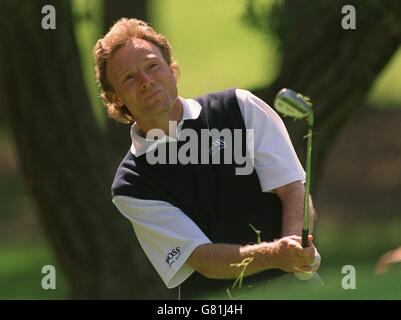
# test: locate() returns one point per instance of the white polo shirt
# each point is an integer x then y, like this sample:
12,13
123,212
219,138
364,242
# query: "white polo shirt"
164,231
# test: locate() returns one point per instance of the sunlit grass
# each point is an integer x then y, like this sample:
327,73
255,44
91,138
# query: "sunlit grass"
20,272
358,246
367,285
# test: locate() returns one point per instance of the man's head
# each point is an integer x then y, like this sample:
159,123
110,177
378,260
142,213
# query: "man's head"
135,70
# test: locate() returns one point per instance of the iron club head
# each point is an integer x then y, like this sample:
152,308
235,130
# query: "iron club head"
293,104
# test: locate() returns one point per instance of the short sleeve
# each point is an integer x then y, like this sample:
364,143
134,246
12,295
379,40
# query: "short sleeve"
276,162
165,233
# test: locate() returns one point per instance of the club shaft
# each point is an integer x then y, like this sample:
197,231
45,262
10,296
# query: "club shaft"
305,228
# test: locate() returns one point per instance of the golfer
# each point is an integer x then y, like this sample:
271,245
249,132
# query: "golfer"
192,218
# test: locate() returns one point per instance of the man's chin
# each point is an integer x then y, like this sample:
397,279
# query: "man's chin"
157,109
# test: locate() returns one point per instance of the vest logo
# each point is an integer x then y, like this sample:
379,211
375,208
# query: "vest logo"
217,145
173,256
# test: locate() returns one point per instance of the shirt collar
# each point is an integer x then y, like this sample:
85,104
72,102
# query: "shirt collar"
191,111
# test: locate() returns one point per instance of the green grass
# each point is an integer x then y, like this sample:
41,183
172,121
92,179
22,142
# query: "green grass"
359,246
20,272
367,286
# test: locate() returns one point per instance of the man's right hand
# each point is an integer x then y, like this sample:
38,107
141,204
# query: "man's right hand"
289,255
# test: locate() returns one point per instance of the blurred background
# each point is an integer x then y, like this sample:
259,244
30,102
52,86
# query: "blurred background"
59,151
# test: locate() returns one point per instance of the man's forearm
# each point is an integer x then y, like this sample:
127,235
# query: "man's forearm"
293,217
293,208
226,261
216,260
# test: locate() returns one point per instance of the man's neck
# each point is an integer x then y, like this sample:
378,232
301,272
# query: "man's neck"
162,121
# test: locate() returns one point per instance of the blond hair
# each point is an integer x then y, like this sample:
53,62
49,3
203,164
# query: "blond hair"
119,34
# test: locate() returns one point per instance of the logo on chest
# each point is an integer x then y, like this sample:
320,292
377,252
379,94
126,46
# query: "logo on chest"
217,145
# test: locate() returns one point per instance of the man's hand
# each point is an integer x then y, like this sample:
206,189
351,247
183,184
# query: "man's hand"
291,257
388,259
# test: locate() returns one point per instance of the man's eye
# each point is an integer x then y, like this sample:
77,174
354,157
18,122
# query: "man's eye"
128,77
153,65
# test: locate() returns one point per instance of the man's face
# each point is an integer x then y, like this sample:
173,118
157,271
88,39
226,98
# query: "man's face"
142,80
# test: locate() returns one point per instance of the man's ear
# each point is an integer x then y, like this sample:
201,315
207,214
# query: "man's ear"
114,98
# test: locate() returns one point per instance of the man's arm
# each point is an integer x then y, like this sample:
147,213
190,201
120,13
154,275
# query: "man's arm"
216,260
292,198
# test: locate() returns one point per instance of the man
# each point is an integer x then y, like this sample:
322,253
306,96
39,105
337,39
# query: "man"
195,216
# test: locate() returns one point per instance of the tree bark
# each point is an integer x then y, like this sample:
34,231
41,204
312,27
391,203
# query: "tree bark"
335,67
114,10
64,157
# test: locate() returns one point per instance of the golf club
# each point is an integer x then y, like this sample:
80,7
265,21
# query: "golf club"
297,106
292,104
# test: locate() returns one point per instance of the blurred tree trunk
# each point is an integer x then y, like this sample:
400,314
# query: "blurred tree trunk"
113,10
2,107
335,67
64,157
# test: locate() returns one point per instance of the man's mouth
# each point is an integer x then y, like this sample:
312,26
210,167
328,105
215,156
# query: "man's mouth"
154,93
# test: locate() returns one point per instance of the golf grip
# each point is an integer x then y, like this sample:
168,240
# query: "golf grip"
305,235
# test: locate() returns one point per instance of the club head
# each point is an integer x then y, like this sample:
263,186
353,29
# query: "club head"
292,104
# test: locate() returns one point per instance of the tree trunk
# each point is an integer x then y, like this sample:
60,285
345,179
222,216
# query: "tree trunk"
335,67
118,133
64,157
129,9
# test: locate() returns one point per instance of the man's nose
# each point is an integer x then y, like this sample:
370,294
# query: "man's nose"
146,80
